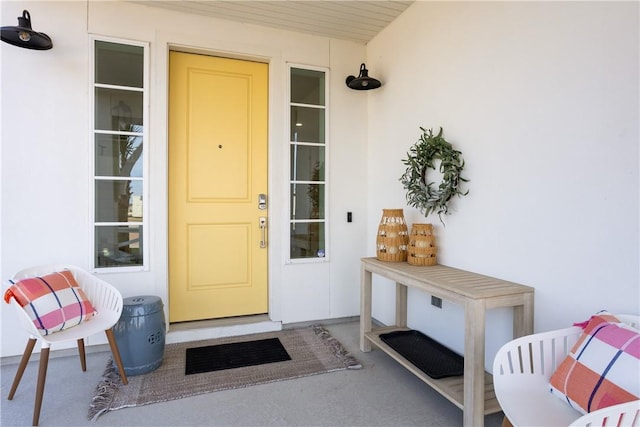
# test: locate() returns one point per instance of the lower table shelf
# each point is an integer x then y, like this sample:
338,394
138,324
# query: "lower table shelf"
452,388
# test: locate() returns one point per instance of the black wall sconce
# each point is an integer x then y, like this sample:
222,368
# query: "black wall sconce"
363,81
24,36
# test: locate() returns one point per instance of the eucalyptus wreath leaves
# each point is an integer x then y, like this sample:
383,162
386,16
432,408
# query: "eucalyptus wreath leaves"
429,197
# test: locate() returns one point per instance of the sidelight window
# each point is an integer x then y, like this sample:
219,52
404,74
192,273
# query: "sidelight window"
308,140
119,136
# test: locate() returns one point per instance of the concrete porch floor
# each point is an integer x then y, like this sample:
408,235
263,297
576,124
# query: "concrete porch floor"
381,394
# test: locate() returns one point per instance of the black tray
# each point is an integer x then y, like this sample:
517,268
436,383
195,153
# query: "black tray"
425,353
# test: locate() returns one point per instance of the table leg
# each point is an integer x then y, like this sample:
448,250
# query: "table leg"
401,305
365,308
523,317
474,336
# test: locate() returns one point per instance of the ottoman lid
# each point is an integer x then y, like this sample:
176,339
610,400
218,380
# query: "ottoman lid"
141,305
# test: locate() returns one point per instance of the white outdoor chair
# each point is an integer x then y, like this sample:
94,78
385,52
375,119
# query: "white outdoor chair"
521,372
624,414
108,304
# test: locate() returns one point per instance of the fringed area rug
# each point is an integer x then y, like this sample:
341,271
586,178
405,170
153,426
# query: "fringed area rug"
312,350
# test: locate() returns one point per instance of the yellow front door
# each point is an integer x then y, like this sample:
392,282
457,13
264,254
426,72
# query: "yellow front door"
217,170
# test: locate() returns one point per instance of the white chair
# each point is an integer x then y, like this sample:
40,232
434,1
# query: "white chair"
106,300
624,414
521,372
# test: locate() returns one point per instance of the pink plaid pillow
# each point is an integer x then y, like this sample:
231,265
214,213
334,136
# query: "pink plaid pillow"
53,302
603,367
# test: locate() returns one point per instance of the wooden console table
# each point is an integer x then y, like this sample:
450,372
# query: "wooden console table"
473,392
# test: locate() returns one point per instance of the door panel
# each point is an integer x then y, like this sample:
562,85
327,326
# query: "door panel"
217,168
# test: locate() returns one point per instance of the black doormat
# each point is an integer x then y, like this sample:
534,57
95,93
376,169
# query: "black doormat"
425,353
234,355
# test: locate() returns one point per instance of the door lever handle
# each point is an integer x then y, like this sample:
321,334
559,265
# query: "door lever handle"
263,231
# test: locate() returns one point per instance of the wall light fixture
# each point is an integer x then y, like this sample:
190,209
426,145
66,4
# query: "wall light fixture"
24,36
363,81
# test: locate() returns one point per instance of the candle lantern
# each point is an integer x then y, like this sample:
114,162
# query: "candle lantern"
422,247
393,236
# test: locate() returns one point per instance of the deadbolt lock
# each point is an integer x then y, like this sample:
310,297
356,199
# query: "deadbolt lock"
262,201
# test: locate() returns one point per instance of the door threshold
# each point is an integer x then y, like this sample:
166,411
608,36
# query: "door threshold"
219,328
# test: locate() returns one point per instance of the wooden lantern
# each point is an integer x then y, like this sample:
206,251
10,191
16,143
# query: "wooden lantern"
393,236
422,246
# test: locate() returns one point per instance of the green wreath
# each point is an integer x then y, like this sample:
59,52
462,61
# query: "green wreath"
424,195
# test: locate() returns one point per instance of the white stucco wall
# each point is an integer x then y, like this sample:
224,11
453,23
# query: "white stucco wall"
542,100
45,149
46,142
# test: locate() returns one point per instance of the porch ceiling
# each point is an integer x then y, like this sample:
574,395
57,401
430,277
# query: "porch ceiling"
355,20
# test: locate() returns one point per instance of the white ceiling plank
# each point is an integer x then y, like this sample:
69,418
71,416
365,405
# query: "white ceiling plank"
289,22
286,13
355,20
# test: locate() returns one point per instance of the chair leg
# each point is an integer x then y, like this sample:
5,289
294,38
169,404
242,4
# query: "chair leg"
23,364
83,358
42,376
116,355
